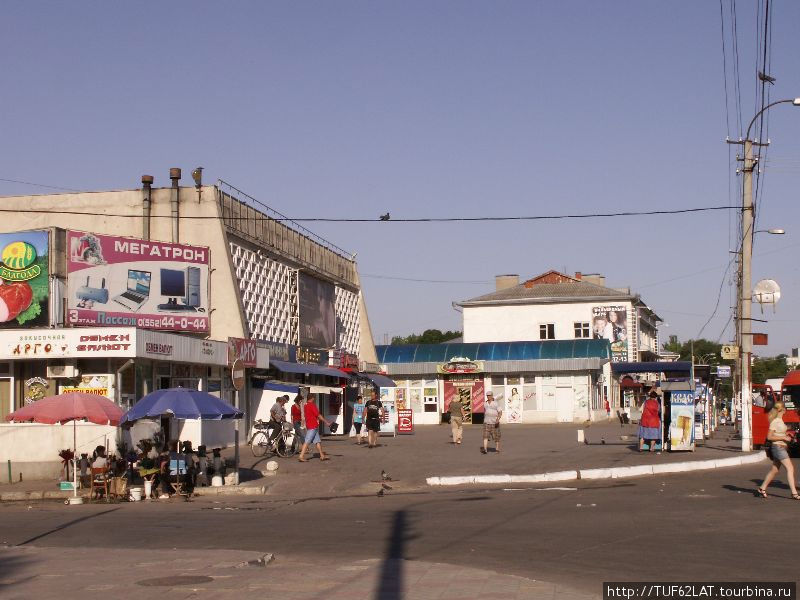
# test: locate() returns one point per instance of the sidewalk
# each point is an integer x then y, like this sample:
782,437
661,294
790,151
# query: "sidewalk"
81,573
411,459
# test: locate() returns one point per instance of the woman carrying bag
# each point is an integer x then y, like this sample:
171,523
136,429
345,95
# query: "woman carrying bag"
778,451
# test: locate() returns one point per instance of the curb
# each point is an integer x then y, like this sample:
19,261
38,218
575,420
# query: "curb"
257,490
603,473
22,496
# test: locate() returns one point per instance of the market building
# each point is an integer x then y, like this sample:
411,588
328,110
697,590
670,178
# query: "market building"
543,347
169,279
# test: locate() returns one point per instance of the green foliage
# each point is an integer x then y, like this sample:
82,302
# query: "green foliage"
429,336
769,368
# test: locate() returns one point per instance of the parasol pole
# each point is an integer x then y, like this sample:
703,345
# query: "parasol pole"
74,460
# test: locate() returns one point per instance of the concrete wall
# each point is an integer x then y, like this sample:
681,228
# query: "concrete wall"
33,448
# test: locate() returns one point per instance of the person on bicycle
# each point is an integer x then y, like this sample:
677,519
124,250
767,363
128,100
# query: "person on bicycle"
277,417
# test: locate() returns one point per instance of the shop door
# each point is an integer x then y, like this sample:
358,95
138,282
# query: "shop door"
5,398
565,404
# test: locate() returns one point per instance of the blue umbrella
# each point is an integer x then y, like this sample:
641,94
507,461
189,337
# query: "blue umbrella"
181,403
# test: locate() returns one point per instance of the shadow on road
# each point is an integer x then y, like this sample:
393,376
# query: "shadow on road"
390,583
67,524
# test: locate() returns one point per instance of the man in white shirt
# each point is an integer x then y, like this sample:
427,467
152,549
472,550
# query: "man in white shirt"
491,423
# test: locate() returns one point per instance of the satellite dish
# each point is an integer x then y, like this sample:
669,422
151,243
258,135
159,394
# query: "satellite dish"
767,291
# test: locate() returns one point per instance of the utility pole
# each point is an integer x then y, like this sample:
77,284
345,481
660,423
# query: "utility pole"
745,293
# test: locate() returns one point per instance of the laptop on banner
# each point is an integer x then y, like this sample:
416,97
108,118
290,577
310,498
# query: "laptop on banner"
138,290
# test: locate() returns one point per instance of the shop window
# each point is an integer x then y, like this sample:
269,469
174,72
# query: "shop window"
431,405
547,331
430,383
498,380
416,383
430,392
93,365
513,380
415,399
5,369
163,369
499,393
581,329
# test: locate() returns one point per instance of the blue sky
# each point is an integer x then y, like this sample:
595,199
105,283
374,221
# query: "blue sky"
429,109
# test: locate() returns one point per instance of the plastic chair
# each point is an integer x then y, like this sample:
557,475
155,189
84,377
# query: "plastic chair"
177,475
99,482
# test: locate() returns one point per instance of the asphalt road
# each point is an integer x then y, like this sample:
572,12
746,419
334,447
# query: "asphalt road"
691,527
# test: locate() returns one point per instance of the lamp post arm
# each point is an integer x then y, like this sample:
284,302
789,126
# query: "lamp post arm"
763,110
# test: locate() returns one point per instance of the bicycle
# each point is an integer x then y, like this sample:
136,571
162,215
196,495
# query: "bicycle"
285,444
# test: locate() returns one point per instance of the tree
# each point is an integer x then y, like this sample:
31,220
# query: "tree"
769,368
429,336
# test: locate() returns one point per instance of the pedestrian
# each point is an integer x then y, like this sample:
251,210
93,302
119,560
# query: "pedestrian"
313,418
650,422
375,413
297,417
608,410
456,410
358,418
778,452
491,424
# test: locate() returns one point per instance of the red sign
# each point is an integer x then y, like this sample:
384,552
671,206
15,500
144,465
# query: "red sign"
242,350
760,339
405,421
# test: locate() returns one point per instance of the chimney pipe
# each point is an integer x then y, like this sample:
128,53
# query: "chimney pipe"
175,176
502,282
147,185
578,275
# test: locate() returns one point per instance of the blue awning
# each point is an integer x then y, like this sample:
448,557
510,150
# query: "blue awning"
290,367
262,384
495,351
660,366
379,380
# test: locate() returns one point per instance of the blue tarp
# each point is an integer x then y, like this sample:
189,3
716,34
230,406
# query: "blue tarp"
290,367
181,403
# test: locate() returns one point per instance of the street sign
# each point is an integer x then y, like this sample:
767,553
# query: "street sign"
723,371
237,374
760,339
730,352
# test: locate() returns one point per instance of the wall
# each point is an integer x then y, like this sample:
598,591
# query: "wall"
33,448
513,323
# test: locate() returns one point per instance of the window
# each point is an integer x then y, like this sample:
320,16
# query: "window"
582,329
547,331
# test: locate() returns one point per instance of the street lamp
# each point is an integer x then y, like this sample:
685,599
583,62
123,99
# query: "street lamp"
745,281
771,231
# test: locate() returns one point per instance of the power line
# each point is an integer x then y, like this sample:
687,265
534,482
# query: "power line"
421,280
379,220
41,185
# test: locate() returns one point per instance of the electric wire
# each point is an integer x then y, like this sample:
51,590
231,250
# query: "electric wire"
41,185
223,217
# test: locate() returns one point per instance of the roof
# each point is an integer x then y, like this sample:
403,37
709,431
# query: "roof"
494,351
551,286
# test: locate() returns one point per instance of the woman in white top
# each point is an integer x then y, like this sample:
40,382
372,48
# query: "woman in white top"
778,452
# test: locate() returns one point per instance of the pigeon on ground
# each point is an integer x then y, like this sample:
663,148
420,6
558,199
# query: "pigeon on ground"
385,476
386,487
379,494
602,440
586,441
385,217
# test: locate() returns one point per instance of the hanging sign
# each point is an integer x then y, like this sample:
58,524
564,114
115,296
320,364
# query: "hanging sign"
730,352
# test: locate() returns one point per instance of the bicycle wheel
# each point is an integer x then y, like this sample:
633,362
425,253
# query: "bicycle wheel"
292,445
284,446
259,444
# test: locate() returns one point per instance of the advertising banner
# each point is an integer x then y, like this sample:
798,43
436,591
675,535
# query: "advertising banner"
25,279
101,385
405,421
611,323
243,350
317,312
68,343
681,426
118,281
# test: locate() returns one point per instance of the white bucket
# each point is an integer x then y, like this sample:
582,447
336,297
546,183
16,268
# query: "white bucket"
216,481
148,488
136,494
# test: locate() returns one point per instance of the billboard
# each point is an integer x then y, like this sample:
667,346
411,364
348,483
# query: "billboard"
611,323
317,312
117,281
24,279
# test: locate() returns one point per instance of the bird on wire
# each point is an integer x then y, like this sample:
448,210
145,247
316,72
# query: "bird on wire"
765,77
385,217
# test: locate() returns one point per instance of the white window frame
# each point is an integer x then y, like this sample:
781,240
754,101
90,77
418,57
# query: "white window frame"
584,328
548,328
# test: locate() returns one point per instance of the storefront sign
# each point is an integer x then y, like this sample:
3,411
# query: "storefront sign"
244,350
460,365
116,281
100,385
35,389
313,356
405,421
286,352
156,348
69,343
24,275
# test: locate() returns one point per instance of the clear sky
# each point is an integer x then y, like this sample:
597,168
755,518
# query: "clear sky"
431,109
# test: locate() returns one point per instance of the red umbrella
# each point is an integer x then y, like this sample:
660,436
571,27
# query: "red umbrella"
69,407
72,406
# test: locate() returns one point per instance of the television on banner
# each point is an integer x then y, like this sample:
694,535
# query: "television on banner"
120,281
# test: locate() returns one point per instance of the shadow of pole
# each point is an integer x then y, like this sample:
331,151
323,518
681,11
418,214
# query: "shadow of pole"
390,584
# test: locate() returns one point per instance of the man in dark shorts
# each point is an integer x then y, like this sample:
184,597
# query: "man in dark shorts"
374,410
491,423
